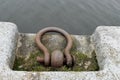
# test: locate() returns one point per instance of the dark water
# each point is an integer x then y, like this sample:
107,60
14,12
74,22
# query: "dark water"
75,16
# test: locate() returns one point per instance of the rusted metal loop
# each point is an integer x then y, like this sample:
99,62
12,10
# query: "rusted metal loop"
45,50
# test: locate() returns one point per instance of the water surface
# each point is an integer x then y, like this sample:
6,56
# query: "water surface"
75,16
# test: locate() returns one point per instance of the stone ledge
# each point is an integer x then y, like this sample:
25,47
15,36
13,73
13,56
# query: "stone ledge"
105,39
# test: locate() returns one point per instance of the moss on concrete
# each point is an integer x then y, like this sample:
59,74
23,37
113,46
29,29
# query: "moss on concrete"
84,63
32,65
26,57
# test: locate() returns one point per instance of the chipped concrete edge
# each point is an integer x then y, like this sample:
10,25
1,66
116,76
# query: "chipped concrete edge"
105,40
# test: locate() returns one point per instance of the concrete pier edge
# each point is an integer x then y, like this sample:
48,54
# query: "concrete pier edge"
105,39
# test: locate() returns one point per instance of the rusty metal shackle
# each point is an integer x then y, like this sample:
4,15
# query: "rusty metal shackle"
46,59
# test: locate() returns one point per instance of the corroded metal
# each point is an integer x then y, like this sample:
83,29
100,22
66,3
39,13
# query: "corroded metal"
57,57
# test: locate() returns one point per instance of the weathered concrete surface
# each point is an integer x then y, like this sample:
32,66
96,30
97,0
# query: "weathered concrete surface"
106,43
82,43
27,51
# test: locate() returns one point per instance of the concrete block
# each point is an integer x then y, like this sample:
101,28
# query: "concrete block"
106,44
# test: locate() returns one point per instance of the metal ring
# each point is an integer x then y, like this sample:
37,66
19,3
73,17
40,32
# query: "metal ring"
45,50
